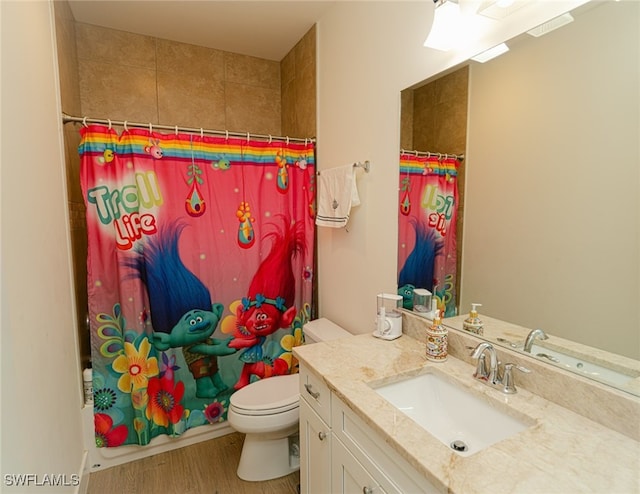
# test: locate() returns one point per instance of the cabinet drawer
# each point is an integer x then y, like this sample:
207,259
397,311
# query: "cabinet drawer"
395,475
316,393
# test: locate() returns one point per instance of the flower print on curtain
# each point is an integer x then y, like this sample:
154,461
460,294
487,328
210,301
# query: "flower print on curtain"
198,273
428,203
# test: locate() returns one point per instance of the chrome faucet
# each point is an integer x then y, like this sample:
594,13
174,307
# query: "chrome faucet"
491,375
536,333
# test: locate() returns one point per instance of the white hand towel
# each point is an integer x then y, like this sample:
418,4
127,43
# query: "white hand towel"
337,194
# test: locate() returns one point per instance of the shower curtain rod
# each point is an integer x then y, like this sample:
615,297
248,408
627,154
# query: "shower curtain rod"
193,130
428,154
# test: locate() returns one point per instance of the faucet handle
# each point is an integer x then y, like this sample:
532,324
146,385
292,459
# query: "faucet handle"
509,385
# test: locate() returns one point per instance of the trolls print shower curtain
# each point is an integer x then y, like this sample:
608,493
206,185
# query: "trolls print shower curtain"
427,228
199,273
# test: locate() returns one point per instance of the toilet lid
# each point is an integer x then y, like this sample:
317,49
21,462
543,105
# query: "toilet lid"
269,395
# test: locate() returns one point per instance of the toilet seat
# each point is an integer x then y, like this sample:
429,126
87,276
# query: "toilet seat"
269,396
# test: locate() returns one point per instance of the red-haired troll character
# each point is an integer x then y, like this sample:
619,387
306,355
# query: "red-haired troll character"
268,306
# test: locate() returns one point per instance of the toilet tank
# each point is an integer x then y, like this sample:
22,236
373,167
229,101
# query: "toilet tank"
323,330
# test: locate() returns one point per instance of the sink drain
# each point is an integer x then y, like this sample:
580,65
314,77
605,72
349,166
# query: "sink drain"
458,446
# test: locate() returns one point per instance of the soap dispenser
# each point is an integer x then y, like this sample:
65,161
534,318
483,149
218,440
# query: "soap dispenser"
473,324
437,336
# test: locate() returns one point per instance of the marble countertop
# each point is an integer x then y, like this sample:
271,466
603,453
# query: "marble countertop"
562,452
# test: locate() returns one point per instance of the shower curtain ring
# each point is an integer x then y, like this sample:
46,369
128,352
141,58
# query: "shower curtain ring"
269,138
248,137
150,128
109,120
84,122
176,130
287,140
227,135
126,129
201,133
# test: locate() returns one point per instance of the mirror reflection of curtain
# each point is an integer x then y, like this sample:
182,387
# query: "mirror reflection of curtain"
428,204
200,277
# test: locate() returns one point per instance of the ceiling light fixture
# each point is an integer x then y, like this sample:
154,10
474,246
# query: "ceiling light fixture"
455,26
447,24
487,55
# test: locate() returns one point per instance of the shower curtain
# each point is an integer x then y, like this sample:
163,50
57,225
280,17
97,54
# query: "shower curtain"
200,255
427,228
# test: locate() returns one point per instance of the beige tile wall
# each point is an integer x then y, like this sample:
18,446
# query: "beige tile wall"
440,114
406,122
110,74
125,76
298,79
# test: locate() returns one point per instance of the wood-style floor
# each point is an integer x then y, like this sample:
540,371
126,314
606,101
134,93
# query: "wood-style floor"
204,468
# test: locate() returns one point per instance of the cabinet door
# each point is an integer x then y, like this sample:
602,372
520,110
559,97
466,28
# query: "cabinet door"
348,475
315,452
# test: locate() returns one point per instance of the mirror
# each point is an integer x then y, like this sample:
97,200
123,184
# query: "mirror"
550,208
607,368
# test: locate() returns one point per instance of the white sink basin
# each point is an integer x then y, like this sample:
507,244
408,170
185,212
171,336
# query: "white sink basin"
455,416
581,366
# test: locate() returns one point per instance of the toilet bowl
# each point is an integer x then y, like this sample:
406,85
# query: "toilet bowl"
267,412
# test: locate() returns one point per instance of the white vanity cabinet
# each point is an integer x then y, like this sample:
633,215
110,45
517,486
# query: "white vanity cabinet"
340,454
315,435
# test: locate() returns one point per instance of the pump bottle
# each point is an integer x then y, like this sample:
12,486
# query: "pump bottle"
437,340
473,324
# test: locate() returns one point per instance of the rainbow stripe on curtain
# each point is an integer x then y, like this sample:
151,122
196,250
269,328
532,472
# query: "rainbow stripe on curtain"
428,203
200,255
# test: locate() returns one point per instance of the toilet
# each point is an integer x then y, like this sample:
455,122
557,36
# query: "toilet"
267,412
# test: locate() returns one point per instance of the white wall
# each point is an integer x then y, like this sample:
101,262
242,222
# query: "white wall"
552,224
41,402
367,53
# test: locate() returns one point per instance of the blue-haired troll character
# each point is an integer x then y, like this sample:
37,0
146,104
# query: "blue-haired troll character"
182,313
418,268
